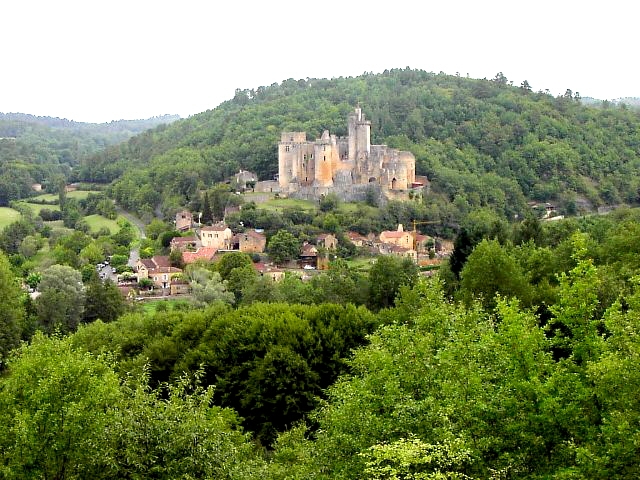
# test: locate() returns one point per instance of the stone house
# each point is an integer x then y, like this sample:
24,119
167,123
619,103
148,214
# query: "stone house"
179,286
357,239
398,237
158,269
184,221
218,236
308,255
423,243
327,241
183,244
398,251
269,271
250,242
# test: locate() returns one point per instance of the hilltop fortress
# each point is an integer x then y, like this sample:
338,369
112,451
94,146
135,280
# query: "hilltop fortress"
347,166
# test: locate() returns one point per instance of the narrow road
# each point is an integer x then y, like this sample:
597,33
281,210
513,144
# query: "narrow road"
134,254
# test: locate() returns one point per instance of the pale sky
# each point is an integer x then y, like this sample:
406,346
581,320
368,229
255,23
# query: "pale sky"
97,60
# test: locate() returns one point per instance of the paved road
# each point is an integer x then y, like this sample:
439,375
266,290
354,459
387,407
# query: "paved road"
134,255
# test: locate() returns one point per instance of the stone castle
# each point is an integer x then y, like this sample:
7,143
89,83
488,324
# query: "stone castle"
347,166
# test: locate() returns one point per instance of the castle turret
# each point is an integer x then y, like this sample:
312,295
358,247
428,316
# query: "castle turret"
289,164
323,155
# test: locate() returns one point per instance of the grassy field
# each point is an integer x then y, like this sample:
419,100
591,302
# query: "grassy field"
269,202
96,222
36,207
151,306
50,197
7,216
361,264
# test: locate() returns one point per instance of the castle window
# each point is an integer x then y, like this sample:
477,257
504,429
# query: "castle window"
304,157
286,149
324,158
312,156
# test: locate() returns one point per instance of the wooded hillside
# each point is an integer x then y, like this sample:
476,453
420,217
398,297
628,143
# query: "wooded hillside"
481,142
38,149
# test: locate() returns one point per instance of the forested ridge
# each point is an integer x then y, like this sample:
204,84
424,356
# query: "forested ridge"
481,142
41,149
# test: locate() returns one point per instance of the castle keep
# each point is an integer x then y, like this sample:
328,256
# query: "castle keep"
345,165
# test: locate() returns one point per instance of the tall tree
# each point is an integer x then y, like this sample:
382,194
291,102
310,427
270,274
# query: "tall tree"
60,305
11,309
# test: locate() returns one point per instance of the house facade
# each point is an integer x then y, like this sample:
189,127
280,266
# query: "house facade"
397,237
218,236
184,221
251,242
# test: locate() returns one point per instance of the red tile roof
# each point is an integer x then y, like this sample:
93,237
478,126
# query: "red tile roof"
203,253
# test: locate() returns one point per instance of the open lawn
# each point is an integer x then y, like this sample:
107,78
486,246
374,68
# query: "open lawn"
361,264
151,306
50,197
270,202
96,222
36,207
7,216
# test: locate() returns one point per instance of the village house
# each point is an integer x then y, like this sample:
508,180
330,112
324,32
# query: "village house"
184,221
398,251
250,242
183,244
327,241
244,179
269,271
179,286
158,269
423,243
203,253
398,237
357,239
218,236
308,256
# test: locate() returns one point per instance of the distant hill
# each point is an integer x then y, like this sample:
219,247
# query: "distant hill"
35,149
633,102
481,142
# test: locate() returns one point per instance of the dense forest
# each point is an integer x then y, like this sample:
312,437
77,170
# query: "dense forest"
42,149
527,369
481,142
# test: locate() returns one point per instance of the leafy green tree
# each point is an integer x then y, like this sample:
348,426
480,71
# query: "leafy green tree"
103,301
155,228
230,261
60,305
207,214
56,406
208,287
329,202
386,276
11,310
489,271
283,247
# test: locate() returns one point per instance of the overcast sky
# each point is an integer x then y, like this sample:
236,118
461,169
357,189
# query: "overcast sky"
102,60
